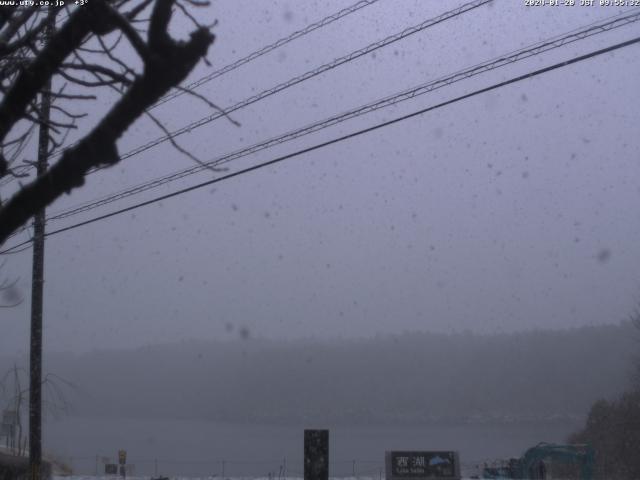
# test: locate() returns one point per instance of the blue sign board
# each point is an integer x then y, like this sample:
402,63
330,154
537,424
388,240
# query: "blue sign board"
414,465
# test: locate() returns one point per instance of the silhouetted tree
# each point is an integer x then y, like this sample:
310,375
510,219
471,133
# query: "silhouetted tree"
9,293
613,427
16,399
78,55
613,430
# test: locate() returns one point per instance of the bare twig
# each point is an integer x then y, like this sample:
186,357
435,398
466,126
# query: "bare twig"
178,147
209,103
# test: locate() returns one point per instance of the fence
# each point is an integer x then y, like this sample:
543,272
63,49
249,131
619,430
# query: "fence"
276,469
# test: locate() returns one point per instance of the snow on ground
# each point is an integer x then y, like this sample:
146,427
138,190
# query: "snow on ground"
93,477
90,477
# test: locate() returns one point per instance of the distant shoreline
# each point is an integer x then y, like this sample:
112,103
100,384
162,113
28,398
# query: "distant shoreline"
406,422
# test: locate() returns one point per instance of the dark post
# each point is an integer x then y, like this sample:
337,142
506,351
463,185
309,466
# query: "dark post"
122,460
35,352
316,455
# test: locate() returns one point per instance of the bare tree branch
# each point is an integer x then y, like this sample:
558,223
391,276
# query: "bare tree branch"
14,24
132,35
116,77
30,36
167,64
209,103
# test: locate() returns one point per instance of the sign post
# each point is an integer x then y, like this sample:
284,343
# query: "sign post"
122,460
316,455
421,465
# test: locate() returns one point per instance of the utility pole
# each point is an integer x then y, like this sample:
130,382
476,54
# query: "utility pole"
37,281
17,408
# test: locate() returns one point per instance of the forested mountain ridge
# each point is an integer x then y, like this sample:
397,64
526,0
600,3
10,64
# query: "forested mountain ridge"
412,377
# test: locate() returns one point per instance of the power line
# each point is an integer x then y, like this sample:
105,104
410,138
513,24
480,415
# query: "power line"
305,76
422,89
594,28
244,60
267,49
310,74
344,137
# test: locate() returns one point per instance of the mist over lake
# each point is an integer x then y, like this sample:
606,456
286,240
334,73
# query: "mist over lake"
186,408
196,448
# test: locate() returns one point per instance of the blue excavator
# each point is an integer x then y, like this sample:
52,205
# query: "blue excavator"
546,461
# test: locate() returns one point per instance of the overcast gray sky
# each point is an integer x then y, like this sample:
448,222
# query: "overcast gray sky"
511,210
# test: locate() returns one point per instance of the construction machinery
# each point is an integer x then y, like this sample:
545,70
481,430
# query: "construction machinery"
546,461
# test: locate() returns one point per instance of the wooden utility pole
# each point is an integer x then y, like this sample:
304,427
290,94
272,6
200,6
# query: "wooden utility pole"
37,281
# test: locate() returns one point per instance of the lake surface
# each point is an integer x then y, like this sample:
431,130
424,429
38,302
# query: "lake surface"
201,448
